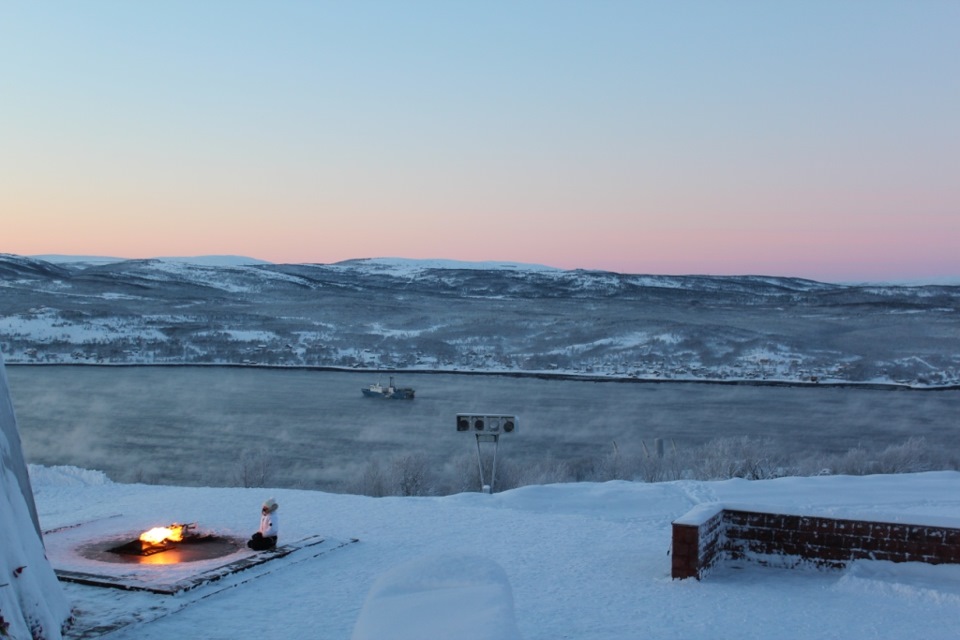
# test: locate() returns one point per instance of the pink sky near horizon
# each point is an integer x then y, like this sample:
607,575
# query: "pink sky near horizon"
906,253
816,140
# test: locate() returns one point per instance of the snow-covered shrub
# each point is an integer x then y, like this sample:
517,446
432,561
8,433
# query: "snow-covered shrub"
855,462
911,456
738,457
661,464
615,466
412,475
407,474
459,475
512,474
372,481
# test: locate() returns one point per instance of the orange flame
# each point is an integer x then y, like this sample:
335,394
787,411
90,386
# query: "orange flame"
157,535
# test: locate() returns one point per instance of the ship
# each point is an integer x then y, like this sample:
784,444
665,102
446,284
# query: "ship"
390,391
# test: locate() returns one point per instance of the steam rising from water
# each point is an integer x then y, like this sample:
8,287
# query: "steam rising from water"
310,429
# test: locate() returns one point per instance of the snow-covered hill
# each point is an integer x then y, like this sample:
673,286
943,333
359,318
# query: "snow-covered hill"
210,261
446,315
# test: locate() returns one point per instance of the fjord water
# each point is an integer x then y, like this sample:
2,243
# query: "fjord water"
314,429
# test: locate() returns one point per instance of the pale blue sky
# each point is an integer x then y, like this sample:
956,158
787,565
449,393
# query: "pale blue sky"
818,139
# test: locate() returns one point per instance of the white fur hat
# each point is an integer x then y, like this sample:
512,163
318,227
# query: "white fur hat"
271,505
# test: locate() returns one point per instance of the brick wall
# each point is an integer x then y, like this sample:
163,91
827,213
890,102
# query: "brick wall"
707,537
697,542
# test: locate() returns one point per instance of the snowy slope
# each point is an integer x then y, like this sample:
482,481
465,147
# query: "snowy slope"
585,561
429,315
407,267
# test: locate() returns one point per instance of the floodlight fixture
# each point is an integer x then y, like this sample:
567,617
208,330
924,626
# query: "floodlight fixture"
487,427
487,422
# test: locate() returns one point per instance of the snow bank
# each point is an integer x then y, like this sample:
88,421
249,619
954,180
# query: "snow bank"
65,476
32,604
585,560
443,596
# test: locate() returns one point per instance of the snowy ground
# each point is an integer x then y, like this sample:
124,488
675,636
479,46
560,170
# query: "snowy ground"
567,561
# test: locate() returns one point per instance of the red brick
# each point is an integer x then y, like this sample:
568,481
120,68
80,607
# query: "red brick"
805,538
826,527
828,540
930,549
948,553
685,533
844,525
681,573
922,534
857,553
848,542
892,545
756,546
951,536
772,521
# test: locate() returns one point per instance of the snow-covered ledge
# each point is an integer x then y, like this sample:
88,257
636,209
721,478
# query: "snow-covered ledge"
712,532
32,604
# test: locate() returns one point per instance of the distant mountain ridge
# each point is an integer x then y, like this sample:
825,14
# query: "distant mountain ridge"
209,260
392,313
419,264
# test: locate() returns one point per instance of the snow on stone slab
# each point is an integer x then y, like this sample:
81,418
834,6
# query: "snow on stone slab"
467,597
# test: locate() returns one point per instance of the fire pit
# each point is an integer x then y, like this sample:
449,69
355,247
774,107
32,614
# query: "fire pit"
172,544
160,539
174,560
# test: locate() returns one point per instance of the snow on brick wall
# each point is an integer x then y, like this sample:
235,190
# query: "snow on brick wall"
32,604
697,542
834,542
787,540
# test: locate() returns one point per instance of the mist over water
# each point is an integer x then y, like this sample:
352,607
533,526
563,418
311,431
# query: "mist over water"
313,429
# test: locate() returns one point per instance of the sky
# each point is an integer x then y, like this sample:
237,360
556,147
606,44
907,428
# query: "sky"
816,139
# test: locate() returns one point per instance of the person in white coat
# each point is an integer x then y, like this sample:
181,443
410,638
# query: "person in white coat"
266,536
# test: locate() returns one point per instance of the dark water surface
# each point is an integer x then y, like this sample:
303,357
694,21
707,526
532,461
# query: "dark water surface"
196,426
